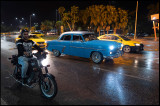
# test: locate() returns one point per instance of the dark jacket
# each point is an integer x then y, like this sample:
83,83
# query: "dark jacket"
26,46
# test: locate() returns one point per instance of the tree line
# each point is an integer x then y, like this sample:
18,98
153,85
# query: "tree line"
93,18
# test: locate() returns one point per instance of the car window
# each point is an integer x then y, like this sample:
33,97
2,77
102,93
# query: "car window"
107,37
77,38
66,37
36,33
33,36
88,37
20,36
124,38
114,37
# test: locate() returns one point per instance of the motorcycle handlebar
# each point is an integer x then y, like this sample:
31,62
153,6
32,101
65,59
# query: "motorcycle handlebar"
39,53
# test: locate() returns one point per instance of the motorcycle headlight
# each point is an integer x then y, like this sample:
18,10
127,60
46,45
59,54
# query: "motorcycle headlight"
44,62
136,44
111,47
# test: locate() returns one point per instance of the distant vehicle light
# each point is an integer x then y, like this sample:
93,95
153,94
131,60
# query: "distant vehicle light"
137,44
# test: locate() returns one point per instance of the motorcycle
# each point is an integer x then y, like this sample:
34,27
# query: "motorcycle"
46,81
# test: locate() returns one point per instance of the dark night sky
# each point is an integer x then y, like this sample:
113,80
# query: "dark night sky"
47,9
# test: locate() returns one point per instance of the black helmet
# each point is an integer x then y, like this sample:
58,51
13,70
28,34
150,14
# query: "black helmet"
23,30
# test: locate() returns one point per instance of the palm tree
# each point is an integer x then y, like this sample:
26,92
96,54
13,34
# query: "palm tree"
70,17
58,25
46,26
96,15
74,16
61,10
121,19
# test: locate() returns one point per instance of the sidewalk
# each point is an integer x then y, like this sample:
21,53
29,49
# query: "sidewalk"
149,43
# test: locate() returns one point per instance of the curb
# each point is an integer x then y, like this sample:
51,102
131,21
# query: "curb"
3,102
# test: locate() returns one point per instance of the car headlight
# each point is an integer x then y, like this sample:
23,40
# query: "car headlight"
45,41
136,44
121,45
111,47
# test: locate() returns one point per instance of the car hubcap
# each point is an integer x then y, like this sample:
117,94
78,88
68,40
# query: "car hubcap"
127,49
55,52
96,57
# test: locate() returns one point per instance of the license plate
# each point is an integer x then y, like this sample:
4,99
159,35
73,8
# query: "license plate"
41,45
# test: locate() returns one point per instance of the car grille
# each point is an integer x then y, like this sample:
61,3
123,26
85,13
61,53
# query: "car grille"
115,51
40,42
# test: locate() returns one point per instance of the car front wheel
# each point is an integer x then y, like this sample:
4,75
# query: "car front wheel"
56,53
97,57
127,49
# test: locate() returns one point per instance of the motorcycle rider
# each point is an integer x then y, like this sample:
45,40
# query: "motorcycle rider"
24,46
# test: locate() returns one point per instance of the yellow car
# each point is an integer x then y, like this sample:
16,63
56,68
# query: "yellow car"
39,41
37,34
128,45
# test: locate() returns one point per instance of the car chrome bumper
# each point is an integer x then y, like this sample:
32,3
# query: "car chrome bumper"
137,48
118,54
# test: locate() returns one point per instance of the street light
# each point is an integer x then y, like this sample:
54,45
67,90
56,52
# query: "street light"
30,19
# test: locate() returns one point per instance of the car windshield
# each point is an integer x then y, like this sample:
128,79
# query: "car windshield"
124,38
36,33
33,36
88,37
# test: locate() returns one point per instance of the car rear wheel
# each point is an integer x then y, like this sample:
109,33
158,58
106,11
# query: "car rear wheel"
97,57
56,53
127,49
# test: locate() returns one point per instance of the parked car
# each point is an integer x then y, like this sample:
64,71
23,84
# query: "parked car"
37,34
128,44
84,44
142,35
39,41
51,33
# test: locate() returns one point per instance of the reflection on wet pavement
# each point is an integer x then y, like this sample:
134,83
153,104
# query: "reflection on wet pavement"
130,79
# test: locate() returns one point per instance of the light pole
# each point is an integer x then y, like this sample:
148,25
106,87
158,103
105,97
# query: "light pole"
17,24
30,19
136,21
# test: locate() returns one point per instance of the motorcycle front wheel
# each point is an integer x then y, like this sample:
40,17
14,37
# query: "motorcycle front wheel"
48,86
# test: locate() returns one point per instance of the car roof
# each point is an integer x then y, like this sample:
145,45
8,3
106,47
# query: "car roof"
111,34
76,32
35,32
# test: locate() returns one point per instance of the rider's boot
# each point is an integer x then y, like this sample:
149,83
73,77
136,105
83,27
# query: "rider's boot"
24,81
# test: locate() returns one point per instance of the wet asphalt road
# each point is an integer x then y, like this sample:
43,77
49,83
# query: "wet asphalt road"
132,79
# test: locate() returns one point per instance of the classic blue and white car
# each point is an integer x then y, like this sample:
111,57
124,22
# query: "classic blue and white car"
84,44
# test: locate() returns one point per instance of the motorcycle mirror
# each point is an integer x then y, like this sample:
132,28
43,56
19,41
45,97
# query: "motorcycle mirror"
46,52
